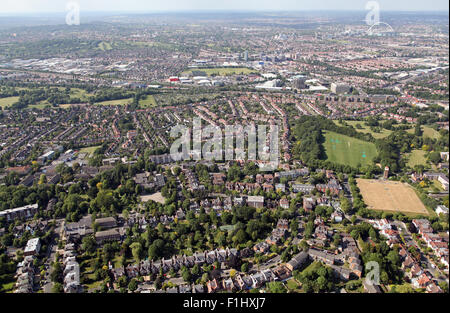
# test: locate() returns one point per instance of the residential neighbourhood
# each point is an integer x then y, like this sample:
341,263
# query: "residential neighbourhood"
94,197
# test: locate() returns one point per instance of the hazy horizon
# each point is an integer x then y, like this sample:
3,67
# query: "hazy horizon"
39,7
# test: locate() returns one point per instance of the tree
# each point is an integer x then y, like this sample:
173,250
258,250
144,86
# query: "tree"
56,275
136,250
195,270
345,205
276,287
205,277
88,244
187,277
158,283
42,179
132,286
240,236
57,288
434,157
122,281
322,283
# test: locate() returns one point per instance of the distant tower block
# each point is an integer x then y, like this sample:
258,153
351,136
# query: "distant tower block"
386,172
299,82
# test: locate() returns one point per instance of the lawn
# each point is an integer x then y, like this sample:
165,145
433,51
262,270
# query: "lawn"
104,46
292,285
222,71
417,157
148,102
89,150
431,133
7,102
116,102
347,150
79,93
40,105
8,287
427,132
366,129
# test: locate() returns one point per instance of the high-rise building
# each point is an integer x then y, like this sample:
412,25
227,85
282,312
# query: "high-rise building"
299,82
338,88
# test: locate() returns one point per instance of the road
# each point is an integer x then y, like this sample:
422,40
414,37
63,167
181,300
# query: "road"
51,253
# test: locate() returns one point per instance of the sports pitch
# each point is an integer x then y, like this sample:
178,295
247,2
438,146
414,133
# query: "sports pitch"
347,150
390,196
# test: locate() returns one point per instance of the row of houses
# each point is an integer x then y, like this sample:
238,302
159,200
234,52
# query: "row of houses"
239,283
419,277
71,271
25,275
25,212
250,187
432,240
387,230
32,227
148,267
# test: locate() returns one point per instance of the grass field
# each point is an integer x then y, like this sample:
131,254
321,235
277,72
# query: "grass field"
148,102
292,285
222,71
116,102
89,150
104,46
7,102
366,129
427,132
391,196
347,150
40,105
417,157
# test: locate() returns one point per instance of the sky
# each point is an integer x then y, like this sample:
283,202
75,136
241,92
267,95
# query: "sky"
53,6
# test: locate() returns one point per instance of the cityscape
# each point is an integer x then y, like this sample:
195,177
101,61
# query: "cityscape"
134,151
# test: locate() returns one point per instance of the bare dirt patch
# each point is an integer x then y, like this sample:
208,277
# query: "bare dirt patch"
157,197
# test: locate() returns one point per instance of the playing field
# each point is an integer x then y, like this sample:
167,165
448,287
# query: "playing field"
116,102
347,150
89,150
148,102
7,102
390,196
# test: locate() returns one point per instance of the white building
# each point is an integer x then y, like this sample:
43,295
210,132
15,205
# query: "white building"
441,209
33,246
